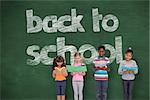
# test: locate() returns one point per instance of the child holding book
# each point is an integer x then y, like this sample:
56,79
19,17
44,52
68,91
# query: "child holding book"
60,74
101,67
128,68
77,78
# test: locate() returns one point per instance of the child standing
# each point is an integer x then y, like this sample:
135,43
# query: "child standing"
60,74
77,78
101,67
128,68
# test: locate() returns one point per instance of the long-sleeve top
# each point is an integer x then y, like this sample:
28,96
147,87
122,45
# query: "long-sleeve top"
128,65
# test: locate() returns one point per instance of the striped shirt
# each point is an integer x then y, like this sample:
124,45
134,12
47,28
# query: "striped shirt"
101,62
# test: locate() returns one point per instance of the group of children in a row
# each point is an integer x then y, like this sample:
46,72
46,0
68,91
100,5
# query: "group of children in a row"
128,68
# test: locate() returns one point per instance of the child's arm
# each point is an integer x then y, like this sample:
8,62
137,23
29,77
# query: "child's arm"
82,73
95,68
100,68
127,72
108,65
54,73
73,73
65,73
120,71
93,64
135,71
108,69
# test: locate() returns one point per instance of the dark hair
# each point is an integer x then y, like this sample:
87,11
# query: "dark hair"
77,54
58,59
129,50
101,47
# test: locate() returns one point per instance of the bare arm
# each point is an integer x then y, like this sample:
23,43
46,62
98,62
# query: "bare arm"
65,73
54,74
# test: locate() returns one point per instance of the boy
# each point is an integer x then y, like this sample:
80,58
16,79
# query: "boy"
101,74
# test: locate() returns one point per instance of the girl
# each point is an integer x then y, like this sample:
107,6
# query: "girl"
128,68
60,74
77,78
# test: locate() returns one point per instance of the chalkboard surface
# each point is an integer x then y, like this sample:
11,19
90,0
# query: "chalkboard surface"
22,81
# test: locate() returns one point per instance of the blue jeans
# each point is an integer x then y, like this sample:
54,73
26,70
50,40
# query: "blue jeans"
127,89
101,89
60,87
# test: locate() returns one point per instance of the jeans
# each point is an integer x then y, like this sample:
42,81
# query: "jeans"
127,89
101,89
60,87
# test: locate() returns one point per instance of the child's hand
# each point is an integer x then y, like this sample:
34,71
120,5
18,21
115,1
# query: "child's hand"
96,68
100,68
64,72
108,69
82,73
73,73
126,72
104,68
131,72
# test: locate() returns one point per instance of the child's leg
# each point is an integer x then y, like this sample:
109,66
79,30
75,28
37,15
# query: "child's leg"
58,97
63,89
81,84
58,92
98,90
131,84
75,90
125,89
104,86
63,97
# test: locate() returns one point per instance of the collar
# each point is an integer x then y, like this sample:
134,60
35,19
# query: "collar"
99,57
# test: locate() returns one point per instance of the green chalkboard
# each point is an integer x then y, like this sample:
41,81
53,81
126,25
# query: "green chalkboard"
20,80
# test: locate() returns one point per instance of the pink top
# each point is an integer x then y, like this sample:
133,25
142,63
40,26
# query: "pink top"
77,76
